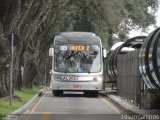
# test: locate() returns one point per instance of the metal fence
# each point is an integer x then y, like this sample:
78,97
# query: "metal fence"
130,85
128,77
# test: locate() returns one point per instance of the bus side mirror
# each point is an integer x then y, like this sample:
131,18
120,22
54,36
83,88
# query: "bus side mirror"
104,53
51,51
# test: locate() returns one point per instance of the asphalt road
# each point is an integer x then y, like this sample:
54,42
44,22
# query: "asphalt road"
72,106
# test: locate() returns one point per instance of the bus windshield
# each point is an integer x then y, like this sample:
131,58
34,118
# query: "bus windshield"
77,58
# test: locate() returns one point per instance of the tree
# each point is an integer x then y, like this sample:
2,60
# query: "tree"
123,15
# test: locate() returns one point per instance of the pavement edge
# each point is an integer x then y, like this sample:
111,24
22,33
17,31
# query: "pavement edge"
30,103
123,108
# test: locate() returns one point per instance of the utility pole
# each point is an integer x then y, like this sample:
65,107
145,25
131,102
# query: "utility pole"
45,75
11,69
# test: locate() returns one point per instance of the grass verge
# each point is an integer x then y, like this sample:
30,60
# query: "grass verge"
22,97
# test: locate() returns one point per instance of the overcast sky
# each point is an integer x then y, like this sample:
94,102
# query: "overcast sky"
134,33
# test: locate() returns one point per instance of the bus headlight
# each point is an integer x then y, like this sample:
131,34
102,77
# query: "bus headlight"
98,79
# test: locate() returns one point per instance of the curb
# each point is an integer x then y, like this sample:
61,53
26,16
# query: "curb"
33,100
128,108
120,105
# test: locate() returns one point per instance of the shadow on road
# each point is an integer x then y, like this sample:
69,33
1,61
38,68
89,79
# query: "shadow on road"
69,94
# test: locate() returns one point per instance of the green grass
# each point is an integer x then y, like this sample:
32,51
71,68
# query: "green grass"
24,94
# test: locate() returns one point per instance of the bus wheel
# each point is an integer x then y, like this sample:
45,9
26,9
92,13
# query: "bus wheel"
57,92
94,93
91,93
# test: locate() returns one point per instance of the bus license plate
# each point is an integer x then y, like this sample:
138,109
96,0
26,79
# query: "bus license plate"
77,86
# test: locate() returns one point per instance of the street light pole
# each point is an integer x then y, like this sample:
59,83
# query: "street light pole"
45,76
11,70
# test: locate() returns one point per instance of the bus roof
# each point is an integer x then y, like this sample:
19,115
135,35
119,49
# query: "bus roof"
86,37
78,34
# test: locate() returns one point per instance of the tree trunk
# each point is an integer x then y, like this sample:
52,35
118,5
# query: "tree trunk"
110,40
17,76
3,85
30,71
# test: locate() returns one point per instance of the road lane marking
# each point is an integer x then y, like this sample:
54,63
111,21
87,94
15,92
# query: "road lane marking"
27,114
109,104
45,116
36,105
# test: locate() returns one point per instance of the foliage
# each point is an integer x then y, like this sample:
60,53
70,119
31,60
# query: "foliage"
8,13
104,17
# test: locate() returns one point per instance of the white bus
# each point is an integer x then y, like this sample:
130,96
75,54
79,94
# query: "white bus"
77,63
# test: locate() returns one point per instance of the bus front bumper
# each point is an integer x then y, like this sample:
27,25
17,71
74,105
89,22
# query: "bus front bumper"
77,86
